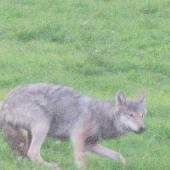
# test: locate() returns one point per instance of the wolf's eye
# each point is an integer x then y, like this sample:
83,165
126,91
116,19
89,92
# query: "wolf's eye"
130,114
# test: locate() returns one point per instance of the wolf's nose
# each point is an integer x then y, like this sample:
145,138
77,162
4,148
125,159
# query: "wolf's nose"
142,129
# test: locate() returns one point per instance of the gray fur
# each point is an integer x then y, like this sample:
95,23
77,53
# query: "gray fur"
57,111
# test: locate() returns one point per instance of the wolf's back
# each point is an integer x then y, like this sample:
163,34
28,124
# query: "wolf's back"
29,105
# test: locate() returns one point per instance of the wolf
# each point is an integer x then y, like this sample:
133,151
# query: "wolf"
32,112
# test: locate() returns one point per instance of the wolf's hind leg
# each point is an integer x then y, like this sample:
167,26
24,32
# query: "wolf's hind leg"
105,152
17,138
38,134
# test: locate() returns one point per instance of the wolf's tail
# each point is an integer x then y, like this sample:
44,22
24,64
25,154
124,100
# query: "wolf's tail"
17,137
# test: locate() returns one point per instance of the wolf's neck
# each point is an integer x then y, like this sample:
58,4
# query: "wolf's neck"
108,126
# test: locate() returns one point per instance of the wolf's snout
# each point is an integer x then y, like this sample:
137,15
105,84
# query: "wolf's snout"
141,130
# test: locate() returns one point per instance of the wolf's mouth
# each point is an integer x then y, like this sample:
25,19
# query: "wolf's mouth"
141,130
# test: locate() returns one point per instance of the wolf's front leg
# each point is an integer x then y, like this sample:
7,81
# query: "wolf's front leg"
102,151
78,141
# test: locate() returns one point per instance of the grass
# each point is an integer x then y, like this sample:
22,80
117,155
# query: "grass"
97,47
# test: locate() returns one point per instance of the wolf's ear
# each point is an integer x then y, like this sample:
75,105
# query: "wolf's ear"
142,97
120,98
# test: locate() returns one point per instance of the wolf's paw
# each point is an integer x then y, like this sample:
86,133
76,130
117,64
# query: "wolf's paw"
120,158
80,165
51,165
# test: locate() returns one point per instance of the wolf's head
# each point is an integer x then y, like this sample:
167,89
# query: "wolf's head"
130,113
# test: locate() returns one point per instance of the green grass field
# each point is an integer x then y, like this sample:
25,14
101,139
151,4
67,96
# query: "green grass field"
97,47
